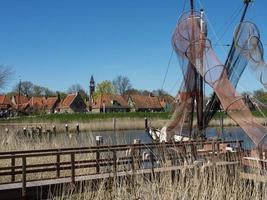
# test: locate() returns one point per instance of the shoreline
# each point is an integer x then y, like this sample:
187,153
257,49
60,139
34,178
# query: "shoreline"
108,124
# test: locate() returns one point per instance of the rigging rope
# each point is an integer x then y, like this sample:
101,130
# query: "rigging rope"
170,58
227,26
167,70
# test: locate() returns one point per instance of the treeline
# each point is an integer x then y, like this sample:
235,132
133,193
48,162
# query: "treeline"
120,85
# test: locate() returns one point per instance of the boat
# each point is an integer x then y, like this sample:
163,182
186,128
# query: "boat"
200,65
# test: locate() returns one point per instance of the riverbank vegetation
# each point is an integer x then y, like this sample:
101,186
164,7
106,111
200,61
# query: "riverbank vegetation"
86,117
213,183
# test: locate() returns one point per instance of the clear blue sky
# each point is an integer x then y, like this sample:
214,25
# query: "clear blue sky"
56,43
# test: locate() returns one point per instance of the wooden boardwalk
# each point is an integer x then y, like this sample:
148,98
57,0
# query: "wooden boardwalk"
71,166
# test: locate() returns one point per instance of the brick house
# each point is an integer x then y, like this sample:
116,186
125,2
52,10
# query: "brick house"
72,103
51,104
6,106
167,102
43,104
110,103
20,103
141,103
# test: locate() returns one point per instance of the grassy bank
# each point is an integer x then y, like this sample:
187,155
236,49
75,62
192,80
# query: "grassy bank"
84,117
104,122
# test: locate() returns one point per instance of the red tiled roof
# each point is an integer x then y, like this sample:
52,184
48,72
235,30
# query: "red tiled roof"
51,101
22,106
65,103
21,99
110,101
37,102
146,102
5,101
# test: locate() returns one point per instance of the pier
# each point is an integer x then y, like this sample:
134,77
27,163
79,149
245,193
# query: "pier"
31,174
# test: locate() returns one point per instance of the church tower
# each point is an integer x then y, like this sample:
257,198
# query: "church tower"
92,90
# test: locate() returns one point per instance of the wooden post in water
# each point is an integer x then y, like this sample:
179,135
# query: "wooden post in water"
146,125
54,129
114,124
67,128
77,128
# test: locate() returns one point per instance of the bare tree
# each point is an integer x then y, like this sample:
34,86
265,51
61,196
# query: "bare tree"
122,84
6,74
25,88
75,88
78,88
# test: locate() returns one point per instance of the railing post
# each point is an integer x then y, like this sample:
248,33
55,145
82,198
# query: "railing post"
213,151
72,157
152,163
114,163
218,149
133,159
24,163
58,164
13,165
99,142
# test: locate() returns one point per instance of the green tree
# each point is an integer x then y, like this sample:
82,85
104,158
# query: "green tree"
261,95
105,87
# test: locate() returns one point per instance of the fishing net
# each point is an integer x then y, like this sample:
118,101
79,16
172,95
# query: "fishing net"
182,118
248,44
190,43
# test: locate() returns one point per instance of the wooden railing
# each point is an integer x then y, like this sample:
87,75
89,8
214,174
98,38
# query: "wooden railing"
115,158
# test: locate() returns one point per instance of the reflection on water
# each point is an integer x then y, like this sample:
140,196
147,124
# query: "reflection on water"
14,141
127,137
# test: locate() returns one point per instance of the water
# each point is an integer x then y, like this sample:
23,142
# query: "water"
127,136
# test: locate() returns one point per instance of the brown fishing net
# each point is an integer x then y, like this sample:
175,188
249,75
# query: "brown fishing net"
194,49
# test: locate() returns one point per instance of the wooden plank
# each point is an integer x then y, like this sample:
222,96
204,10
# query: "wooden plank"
106,148
255,177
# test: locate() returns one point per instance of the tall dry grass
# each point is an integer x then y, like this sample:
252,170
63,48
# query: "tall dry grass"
107,124
219,183
214,184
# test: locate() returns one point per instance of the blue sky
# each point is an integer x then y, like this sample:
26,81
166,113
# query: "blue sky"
57,43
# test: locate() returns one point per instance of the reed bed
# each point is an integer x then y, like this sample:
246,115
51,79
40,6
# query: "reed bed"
108,125
216,183
221,183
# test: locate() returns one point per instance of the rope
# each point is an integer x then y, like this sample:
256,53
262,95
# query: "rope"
167,70
227,26
212,28
170,58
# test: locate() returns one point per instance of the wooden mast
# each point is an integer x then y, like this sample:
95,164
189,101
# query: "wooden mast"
195,74
198,88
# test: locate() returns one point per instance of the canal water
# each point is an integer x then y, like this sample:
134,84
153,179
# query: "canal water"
127,136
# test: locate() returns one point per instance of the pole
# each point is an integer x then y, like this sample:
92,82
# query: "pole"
19,97
214,104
